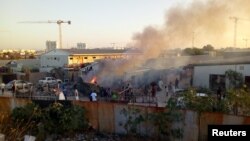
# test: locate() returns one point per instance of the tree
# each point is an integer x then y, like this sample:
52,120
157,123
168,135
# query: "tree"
193,51
208,48
239,100
235,79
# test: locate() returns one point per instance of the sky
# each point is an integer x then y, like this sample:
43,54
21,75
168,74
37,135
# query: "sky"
98,23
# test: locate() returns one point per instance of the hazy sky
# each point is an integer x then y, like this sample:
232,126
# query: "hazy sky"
98,23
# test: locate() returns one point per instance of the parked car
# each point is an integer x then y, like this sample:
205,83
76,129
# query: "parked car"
181,102
49,80
19,84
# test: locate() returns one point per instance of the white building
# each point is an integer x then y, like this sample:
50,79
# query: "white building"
50,45
211,75
76,57
14,66
53,59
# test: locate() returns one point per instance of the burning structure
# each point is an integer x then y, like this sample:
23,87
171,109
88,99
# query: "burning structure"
194,24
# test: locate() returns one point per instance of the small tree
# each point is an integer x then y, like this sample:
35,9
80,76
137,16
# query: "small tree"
206,103
166,120
235,79
239,101
208,48
55,119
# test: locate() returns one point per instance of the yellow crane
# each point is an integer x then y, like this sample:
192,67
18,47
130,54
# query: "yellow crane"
59,22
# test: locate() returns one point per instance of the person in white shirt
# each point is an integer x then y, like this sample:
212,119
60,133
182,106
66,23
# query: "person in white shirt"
93,96
76,91
61,95
76,94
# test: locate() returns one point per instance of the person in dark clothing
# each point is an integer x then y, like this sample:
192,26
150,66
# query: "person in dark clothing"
75,86
219,93
14,89
153,90
176,83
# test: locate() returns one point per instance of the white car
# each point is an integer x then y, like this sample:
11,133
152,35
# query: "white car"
20,84
49,80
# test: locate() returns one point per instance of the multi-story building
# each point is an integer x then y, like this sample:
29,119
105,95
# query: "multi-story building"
50,45
81,46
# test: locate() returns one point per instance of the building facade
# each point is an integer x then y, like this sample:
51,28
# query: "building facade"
76,57
213,75
81,46
50,45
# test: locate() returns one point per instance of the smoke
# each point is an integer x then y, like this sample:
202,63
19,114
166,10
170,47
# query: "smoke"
197,24
200,22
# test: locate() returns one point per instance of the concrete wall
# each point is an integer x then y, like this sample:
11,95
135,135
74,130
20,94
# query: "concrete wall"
107,117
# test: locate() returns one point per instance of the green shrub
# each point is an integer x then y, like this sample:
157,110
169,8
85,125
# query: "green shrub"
54,119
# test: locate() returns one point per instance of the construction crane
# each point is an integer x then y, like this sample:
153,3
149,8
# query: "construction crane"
59,22
236,19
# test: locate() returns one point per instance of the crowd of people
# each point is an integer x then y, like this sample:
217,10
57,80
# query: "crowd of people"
127,91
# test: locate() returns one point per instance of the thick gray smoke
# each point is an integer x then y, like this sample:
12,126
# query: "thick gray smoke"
207,21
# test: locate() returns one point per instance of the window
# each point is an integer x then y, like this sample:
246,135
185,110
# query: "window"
241,67
94,57
71,58
216,81
55,58
247,80
85,57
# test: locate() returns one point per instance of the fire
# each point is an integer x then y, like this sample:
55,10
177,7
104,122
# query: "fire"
93,80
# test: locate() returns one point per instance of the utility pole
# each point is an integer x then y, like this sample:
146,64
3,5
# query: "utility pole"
193,39
246,39
113,45
235,19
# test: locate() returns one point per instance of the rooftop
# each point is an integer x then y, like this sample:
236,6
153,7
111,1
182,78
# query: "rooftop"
225,61
98,51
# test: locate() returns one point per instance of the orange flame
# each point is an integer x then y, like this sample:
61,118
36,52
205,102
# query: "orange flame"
93,80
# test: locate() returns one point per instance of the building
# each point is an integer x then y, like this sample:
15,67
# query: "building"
14,66
81,46
236,53
50,45
76,57
212,75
